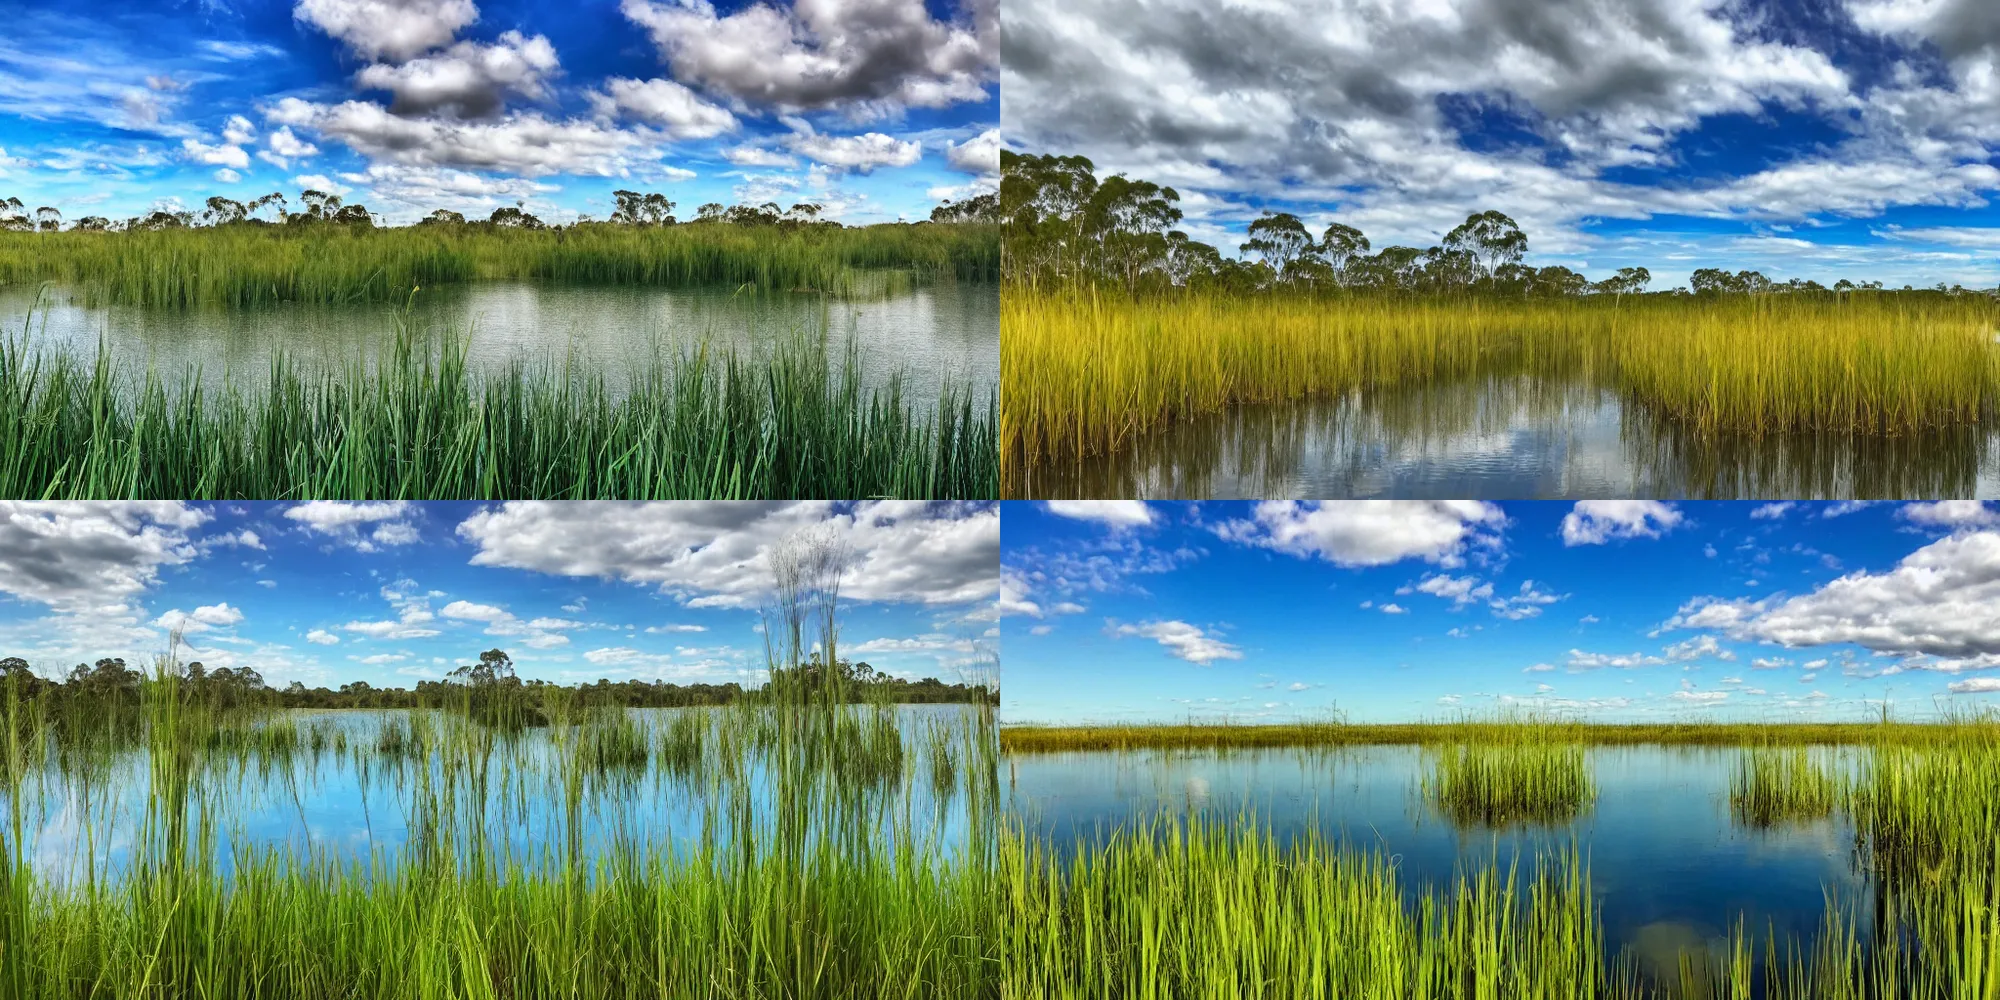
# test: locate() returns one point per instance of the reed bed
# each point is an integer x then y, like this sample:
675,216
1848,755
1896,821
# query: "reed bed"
1519,780
1199,908
1772,786
813,870
1085,373
1198,736
239,266
417,424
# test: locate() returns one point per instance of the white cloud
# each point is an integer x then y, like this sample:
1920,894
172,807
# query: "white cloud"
1394,609
201,619
861,55
1460,591
978,155
1181,640
524,143
1370,532
350,523
669,106
283,147
1941,601
1974,685
758,156
716,554
1594,522
322,637
91,556
1772,511
1951,514
859,153
388,29
1117,513
468,79
216,156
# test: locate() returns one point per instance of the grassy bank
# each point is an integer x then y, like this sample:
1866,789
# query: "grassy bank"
234,266
1057,739
1085,372
417,424
1524,779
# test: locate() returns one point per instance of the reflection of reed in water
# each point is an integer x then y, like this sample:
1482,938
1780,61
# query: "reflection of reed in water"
1529,425
1936,463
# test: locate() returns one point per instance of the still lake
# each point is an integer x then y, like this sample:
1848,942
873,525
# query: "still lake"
1671,869
336,791
931,333
1509,437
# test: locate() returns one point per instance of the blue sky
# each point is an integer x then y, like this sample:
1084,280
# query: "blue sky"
1813,139
1392,610
392,593
874,108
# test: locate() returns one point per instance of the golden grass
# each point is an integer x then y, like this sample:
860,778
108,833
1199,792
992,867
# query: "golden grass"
1083,373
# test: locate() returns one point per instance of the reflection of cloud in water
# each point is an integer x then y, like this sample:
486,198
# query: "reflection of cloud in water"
1509,436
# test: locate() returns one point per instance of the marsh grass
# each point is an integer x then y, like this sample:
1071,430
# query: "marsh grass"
1522,780
1085,373
1205,908
808,874
240,266
418,424
1772,786
1203,735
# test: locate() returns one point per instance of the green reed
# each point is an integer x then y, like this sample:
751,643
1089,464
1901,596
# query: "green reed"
1522,780
1199,908
1774,785
814,878
237,266
1204,735
419,424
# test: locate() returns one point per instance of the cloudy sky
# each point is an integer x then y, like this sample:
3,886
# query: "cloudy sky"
1806,138
1393,610
874,108
392,593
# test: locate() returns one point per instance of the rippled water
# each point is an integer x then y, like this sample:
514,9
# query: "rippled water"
1510,437
1671,868
931,333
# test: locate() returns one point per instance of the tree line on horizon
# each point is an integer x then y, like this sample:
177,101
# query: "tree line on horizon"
109,681
314,207
1063,226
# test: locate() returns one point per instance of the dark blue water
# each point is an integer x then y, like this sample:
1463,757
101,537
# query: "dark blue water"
1670,868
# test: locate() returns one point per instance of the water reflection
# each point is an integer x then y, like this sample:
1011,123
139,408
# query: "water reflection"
930,333
1510,436
1670,867
357,785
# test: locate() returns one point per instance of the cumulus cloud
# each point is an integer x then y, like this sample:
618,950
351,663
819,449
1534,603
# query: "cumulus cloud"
1181,640
524,143
91,557
201,619
468,79
321,637
977,155
1595,522
859,153
1370,532
852,54
1941,603
366,526
388,29
1117,513
666,105
716,554
1951,514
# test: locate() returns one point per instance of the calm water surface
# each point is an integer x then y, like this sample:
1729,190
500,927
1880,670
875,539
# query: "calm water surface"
1511,437
948,330
359,803
1670,867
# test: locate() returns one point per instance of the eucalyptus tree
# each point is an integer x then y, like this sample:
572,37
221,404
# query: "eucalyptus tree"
442,217
1491,238
222,211
319,204
1279,238
260,203
48,219
642,209
1340,245
14,216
